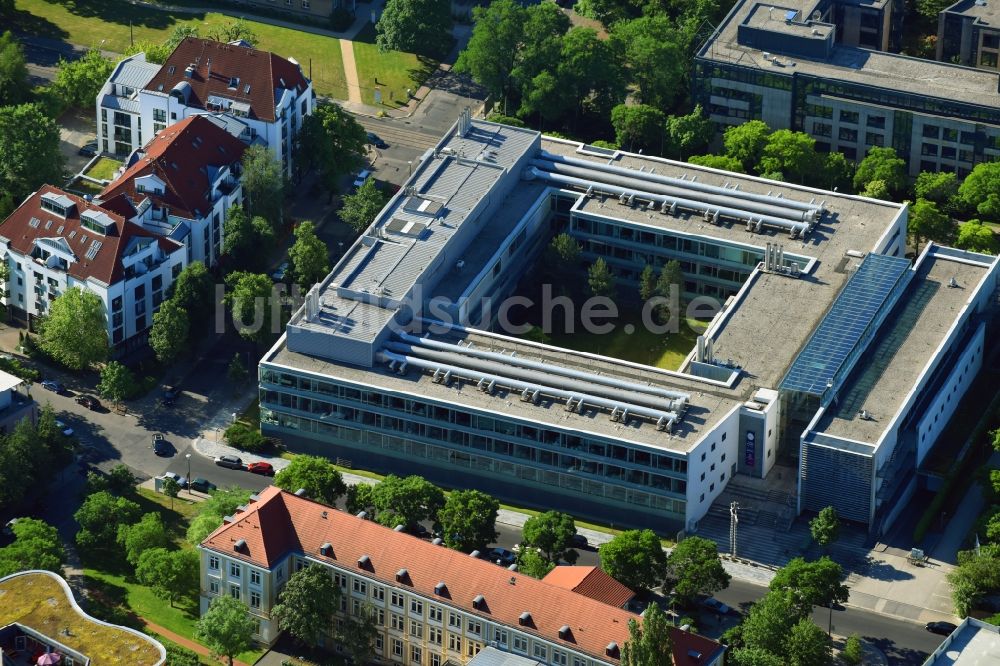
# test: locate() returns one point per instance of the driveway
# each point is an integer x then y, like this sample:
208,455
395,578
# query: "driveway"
76,128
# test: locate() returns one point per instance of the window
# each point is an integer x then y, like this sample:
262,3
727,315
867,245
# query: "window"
822,129
849,117
847,134
474,627
378,593
213,586
305,4
877,122
874,139
234,570
396,621
234,591
159,116
455,642
434,635
932,132
950,134
397,647
454,620
416,607
379,617
356,607
540,651
435,659
434,613
254,599
500,636
360,586
416,629
520,644
397,599
414,654
340,579
254,577
559,657
379,643
213,562
473,648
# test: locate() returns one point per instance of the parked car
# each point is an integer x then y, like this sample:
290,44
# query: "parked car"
64,429
942,628
578,541
88,401
502,556
360,179
202,485
280,273
376,141
261,467
54,386
89,149
181,480
715,606
8,527
160,446
232,462
170,395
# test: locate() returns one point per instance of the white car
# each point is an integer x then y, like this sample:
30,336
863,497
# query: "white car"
65,429
181,480
360,179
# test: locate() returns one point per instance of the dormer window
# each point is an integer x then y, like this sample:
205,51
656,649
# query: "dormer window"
246,89
234,82
57,204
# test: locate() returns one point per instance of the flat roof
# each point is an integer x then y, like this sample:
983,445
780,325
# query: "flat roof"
985,12
786,20
974,643
898,356
874,68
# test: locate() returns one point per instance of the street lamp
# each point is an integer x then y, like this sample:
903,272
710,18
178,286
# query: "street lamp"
409,168
188,456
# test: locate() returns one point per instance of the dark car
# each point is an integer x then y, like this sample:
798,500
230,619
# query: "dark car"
160,446
501,556
88,401
715,606
202,485
53,386
942,628
232,462
578,541
375,140
89,149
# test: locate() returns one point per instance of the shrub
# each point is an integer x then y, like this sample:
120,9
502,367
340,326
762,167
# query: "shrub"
19,369
853,651
245,438
181,656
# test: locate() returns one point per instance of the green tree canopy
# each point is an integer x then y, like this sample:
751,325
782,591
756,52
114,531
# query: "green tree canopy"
551,532
100,516
976,237
724,162
226,628
792,154
250,296
242,240
838,173
77,82
638,126
591,71
308,255
36,546
307,604
415,26
600,279
654,57
540,50
768,623
876,189
977,575
14,85
493,49
75,332
635,558
237,372
695,568
263,185
117,382
808,584
980,191
171,489
147,534
332,141
883,164
358,634
406,501
362,207
825,527
169,334
689,133
647,282
940,187
221,503
155,53
532,563
320,479
29,150
754,657
194,292
649,644
746,142
929,9
807,645
468,520
233,31
562,261
928,223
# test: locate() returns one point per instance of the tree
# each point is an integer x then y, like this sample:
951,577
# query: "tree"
876,189
100,516
853,651
308,256
320,479
307,604
653,57
147,534
754,657
746,142
155,53
539,51
808,584
234,31
649,644
977,574
635,558
792,154
14,85
117,382
532,563
171,489
77,82
169,334
492,51
590,72
194,292
29,150
838,172
769,622
362,207
406,501
671,275
638,126
928,223
226,628
881,163
237,371
263,185
36,546
929,9
647,283
723,162
976,237
332,141
358,635
249,296
121,480
75,331
980,191
180,656
468,520
415,26
807,645
242,238
689,133
551,532
825,527
600,279
941,187
695,568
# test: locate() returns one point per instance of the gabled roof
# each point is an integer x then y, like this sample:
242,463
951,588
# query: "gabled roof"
31,222
259,75
591,582
185,156
692,649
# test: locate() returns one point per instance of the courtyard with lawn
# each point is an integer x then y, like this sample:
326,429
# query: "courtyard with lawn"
103,168
632,341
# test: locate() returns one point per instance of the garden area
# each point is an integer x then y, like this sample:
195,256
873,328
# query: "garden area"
661,350
103,168
392,72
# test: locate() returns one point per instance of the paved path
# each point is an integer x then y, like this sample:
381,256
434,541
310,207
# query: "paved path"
350,72
184,642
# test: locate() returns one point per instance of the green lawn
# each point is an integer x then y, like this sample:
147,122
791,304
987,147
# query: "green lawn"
91,22
103,169
394,71
665,351
84,187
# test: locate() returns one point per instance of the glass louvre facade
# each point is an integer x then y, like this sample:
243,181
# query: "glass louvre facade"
375,422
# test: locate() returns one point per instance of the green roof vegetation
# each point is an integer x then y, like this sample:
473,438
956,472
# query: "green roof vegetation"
103,168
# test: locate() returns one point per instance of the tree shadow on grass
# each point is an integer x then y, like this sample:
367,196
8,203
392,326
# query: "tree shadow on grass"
125,13
109,602
39,26
425,67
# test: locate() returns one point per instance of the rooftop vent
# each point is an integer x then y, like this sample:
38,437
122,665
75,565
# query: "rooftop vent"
326,549
440,589
512,567
402,576
866,415
612,649
952,283
524,619
301,492
479,602
474,553
694,654
437,541
364,562
324,515
240,545
513,579
399,528
362,515
565,633
189,71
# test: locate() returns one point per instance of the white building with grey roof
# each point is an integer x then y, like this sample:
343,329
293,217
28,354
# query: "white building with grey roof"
396,362
119,113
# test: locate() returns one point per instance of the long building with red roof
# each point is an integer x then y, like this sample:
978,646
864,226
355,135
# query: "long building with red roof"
432,604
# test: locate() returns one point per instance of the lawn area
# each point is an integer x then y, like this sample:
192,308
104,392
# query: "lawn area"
90,23
103,169
394,71
665,351
84,187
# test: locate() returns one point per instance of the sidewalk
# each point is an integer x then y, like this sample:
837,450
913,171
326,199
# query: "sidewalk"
184,642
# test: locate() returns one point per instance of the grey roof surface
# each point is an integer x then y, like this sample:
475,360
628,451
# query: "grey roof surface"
116,103
134,72
985,13
489,656
873,68
974,643
898,356
772,18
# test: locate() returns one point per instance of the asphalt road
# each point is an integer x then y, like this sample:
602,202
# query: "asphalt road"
407,144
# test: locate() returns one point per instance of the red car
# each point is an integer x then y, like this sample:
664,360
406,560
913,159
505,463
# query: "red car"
264,468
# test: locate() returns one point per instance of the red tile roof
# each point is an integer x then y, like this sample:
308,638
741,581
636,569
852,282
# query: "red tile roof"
181,156
591,582
263,71
687,646
279,522
106,264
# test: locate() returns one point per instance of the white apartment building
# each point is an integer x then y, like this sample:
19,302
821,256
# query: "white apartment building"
181,184
119,122
55,241
433,604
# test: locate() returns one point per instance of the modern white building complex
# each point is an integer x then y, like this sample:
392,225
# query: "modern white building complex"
433,605
830,350
182,183
55,241
269,95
